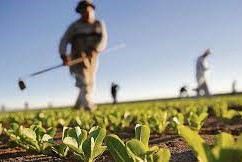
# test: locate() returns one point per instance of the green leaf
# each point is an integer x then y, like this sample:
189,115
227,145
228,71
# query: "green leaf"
72,143
180,118
238,143
163,155
1,128
230,114
142,133
93,129
51,131
82,137
47,138
176,120
71,132
14,127
31,144
92,149
99,151
223,141
229,155
201,149
78,131
61,121
78,121
97,134
45,146
29,133
39,130
202,117
152,150
61,150
135,158
137,148
64,132
117,148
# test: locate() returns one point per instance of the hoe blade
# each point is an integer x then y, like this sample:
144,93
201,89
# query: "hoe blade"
21,85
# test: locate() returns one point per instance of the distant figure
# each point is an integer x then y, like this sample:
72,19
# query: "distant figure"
26,105
3,108
201,68
234,87
50,105
114,90
87,37
183,92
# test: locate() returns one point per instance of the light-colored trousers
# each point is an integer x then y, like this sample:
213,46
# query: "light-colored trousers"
84,74
202,87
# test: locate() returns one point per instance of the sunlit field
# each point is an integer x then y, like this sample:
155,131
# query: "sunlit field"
162,130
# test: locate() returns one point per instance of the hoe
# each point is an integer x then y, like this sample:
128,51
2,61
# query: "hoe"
22,85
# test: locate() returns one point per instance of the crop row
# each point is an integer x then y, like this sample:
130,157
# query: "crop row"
89,146
116,119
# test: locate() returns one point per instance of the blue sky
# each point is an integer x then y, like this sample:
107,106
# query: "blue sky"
163,39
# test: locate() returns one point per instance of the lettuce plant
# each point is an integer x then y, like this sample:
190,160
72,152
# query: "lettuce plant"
158,122
179,118
225,149
86,147
137,149
196,117
221,111
196,121
35,137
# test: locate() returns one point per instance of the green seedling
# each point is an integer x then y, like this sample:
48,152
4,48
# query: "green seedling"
225,149
35,137
137,149
86,147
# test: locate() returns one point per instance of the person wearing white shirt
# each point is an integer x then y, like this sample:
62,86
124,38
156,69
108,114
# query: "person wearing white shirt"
201,68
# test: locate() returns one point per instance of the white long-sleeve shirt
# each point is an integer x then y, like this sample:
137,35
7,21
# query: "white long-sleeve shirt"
201,68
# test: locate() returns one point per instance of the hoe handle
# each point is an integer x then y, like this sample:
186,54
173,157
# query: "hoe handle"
45,70
73,62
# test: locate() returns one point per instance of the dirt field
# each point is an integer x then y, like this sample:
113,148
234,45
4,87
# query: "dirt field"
180,151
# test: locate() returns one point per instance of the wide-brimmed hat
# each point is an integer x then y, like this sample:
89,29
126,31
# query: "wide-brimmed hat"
83,5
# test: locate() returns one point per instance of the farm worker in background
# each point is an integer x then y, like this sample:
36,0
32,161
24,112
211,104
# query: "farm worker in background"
201,68
234,87
114,90
87,37
184,92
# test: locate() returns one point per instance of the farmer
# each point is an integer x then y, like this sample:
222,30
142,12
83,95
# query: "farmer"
114,90
183,92
87,37
234,90
201,68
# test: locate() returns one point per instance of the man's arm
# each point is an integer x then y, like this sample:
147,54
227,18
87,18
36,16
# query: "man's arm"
65,40
103,43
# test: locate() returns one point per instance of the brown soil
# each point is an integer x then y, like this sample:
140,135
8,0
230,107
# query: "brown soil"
178,147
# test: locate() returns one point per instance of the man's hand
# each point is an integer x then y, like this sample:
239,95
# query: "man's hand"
66,60
90,50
